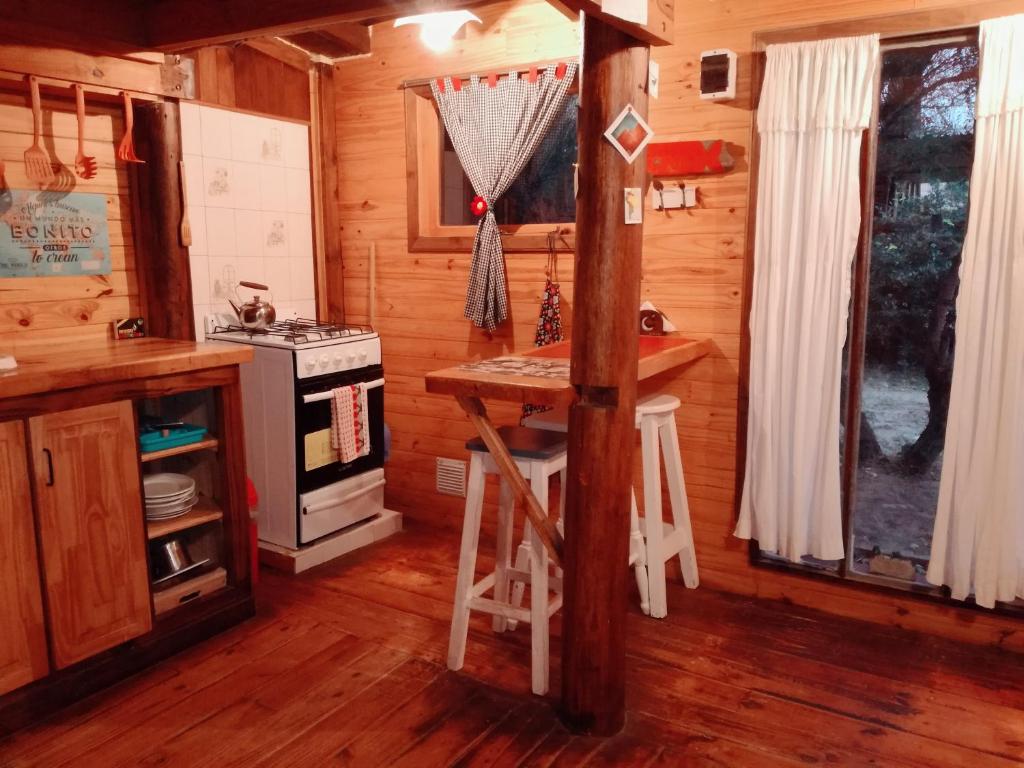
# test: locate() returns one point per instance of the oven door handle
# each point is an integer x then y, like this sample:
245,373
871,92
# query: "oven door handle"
312,509
330,393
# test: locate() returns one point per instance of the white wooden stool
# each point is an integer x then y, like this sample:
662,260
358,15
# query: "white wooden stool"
655,418
538,456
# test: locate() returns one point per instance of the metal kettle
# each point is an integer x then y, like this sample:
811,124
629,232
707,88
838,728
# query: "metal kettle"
257,314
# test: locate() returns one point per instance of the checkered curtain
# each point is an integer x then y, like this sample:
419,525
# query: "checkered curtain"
495,125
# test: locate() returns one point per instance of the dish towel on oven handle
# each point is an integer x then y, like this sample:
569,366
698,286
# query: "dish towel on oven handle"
350,427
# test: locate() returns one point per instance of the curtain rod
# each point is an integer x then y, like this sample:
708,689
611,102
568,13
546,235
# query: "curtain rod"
421,81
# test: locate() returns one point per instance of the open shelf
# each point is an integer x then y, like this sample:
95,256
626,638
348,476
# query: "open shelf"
203,512
209,444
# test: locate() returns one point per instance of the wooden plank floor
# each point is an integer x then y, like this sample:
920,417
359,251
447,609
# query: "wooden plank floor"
345,666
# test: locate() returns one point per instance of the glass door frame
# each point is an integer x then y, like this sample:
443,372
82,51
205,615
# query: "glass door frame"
857,328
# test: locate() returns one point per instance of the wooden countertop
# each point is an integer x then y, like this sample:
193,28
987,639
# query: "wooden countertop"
55,367
657,354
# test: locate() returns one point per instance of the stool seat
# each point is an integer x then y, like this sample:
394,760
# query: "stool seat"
655,405
525,443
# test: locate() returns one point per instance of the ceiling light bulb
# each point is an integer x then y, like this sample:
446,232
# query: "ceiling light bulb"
438,29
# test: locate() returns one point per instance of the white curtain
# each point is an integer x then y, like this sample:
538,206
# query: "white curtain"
978,544
815,105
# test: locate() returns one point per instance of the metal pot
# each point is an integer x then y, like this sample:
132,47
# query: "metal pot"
257,314
171,557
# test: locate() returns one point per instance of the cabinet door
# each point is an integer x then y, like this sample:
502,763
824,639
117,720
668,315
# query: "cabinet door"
89,507
23,638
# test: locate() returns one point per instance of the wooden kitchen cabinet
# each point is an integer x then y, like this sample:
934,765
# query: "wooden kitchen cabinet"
89,513
23,639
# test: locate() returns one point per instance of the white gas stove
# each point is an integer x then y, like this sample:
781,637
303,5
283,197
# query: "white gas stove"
305,492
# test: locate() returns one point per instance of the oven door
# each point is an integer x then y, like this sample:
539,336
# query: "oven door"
318,465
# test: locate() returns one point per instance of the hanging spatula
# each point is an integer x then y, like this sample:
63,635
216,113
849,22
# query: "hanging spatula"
126,149
37,160
85,166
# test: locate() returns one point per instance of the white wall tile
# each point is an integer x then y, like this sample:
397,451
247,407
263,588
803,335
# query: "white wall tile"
278,274
276,235
306,308
273,193
199,313
220,231
250,209
191,131
197,222
194,179
250,269
296,145
297,190
224,277
216,132
218,183
303,282
245,193
245,139
199,266
270,135
249,233
300,232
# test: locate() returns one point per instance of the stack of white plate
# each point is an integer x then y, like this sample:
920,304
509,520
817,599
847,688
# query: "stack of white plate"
168,495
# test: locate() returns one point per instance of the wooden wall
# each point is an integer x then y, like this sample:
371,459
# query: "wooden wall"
61,309
245,78
693,269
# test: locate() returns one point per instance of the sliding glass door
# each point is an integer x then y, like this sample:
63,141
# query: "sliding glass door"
903,319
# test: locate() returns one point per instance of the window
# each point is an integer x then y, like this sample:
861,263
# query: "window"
541,194
899,355
439,194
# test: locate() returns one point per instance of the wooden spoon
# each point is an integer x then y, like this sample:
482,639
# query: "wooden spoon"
37,160
85,166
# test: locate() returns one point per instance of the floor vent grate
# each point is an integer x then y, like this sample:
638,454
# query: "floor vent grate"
451,477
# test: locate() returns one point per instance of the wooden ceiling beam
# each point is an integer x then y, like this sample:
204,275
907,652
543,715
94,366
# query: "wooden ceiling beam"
355,37
659,29
174,25
288,54
337,41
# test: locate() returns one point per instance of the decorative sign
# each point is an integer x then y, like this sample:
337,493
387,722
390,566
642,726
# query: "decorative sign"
634,205
46,234
689,158
629,133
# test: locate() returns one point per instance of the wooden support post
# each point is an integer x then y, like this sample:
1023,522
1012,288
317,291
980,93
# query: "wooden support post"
604,374
165,281
326,197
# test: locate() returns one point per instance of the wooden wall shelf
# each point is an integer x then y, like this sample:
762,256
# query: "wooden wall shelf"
203,512
209,444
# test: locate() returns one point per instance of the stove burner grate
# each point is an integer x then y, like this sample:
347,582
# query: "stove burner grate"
299,331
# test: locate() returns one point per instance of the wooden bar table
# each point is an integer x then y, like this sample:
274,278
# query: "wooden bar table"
541,377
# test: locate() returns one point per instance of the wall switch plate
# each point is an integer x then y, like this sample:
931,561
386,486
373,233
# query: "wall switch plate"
668,198
689,197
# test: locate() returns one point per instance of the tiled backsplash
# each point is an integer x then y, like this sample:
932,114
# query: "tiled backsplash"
249,205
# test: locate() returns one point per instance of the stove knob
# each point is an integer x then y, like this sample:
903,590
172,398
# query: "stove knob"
324,361
362,356
338,360
310,364
351,358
